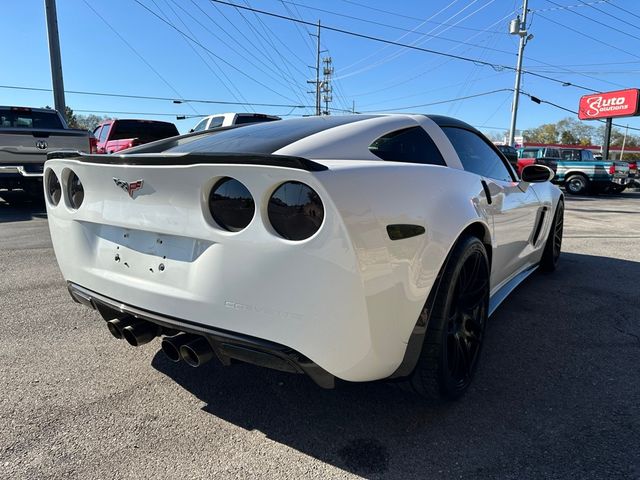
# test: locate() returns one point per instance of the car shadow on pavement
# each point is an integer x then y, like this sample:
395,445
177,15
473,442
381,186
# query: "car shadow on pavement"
555,394
17,206
626,195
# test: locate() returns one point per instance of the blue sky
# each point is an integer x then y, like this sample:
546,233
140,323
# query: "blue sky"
260,59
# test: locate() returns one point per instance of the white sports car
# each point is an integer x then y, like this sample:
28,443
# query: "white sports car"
357,247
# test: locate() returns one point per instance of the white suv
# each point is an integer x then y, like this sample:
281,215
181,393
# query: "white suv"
228,119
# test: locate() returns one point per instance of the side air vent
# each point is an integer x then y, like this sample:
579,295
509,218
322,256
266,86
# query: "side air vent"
536,232
400,231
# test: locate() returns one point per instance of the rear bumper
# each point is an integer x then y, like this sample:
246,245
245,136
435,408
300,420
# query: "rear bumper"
29,171
21,177
227,345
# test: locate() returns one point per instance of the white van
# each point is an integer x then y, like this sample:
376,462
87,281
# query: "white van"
228,119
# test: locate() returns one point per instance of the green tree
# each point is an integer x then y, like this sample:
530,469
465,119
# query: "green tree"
576,132
567,138
89,122
546,133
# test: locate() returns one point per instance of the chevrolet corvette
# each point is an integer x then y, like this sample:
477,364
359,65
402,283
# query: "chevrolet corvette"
360,247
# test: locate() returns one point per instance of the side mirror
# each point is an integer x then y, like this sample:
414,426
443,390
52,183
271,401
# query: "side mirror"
536,173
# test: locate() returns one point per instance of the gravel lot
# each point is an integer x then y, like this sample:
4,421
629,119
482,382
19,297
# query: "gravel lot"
556,395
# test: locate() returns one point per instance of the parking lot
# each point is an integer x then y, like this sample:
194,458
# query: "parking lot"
556,395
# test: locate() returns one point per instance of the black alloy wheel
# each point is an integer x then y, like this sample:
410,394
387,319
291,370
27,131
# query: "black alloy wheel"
456,325
466,321
553,246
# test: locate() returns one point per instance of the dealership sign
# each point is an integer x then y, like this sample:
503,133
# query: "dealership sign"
621,103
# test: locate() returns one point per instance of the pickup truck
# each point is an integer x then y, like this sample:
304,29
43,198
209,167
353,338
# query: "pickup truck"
229,119
577,170
509,152
116,135
26,136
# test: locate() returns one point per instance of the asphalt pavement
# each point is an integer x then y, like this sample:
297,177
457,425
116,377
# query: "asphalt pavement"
557,394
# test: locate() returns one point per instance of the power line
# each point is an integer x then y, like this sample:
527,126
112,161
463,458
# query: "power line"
440,101
567,7
429,70
211,52
575,112
146,97
396,14
231,47
228,84
624,10
476,61
599,22
579,32
296,88
268,37
422,40
395,27
133,49
607,13
157,114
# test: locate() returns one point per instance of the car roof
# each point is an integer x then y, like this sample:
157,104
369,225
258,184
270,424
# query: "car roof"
270,137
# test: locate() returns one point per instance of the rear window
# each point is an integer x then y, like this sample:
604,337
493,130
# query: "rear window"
507,149
571,155
144,130
26,118
243,119
411,145
262,138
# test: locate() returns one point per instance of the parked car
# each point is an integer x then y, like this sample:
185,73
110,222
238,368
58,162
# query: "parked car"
229,119
26,136
116,135
577,170
511,154
331,246
532,155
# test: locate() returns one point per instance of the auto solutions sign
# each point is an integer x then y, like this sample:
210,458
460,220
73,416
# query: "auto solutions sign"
621,103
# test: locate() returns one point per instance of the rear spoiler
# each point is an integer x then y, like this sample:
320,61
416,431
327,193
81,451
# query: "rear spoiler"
195,158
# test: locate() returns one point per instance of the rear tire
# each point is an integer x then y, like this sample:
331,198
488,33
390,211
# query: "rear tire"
553,245
455,331
576,184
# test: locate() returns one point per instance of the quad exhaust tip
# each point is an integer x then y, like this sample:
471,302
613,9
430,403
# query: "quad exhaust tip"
135,331
194,349
171,345
197,352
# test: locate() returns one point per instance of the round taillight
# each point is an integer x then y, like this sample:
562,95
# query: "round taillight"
231,205
295,211
53,188
75,191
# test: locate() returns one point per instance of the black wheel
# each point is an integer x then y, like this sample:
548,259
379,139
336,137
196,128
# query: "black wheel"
576,184
553,245
456,325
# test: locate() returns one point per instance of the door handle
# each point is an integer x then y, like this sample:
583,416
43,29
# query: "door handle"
485,187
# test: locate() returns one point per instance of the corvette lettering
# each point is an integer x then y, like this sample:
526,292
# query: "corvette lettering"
621,103
129,187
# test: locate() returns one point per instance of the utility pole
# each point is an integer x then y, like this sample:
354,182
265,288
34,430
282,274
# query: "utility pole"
607,138
624,141
54,55
517,27
317,82
327,71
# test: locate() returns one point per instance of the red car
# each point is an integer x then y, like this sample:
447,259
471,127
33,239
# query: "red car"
115,135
